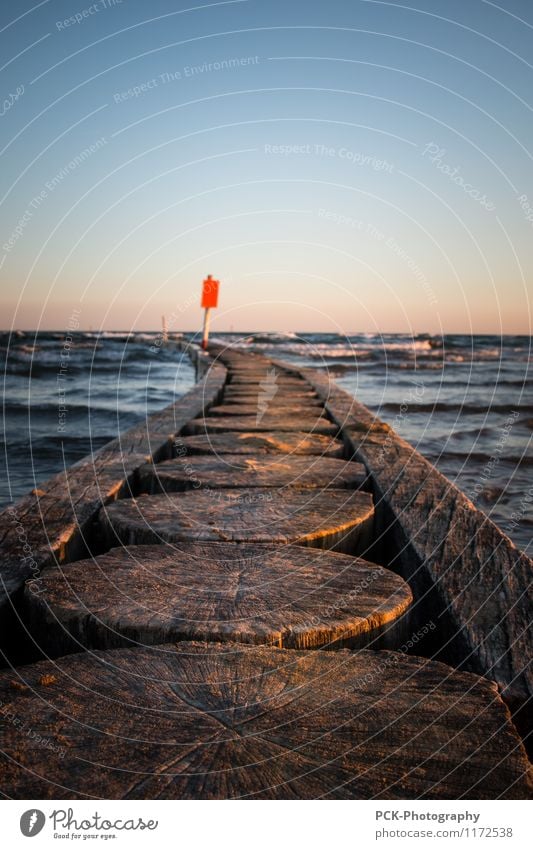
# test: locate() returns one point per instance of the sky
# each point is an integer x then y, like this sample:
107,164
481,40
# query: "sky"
345,166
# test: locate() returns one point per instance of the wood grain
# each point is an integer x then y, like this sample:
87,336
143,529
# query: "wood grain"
208,721
223,424
274,409
236,472
281,399
259,383
337,519
260,443
285,596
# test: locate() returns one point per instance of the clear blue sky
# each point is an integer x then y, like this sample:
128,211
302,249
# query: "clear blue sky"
339,165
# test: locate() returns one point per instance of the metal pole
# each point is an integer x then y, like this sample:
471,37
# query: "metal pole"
207,316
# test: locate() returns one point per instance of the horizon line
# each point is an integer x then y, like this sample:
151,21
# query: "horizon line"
263,332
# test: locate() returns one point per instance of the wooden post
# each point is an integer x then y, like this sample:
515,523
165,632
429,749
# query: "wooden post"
205,335
209,300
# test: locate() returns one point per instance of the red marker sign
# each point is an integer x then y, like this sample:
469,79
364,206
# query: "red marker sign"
209,301
209,292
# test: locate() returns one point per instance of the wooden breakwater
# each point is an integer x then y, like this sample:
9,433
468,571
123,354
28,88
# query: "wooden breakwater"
456,559
244,597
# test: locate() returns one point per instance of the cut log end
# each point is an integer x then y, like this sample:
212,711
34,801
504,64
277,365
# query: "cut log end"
309,424
234,471
336,519
287,596
204,721
296,443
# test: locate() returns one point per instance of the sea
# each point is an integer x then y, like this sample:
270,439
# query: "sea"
465,402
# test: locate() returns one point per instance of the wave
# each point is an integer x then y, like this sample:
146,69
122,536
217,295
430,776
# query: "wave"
47,408
479,457
445,407
87,362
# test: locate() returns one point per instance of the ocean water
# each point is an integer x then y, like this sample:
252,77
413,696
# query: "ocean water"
465,402
66,395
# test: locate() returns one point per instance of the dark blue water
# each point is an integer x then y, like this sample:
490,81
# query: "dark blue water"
67,394
465,402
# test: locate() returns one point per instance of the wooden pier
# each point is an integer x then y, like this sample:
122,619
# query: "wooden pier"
261,592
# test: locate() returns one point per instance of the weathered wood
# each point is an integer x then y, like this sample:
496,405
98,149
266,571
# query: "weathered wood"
295,395
223,424
237,472
208,721
257,372
260,443
249,362
281,400
246,364
255,409
274,409
261,385
50,525
336,519
482,580
285,596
